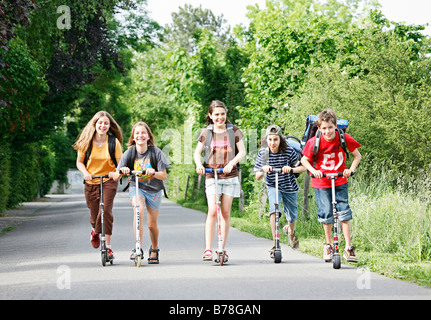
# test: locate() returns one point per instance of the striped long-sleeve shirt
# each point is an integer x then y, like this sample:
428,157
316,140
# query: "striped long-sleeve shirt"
286,182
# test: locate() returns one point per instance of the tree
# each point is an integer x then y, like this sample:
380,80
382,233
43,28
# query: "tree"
189,23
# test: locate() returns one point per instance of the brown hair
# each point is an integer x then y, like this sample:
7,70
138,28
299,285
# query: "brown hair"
87,134
150,134
215,104
327,115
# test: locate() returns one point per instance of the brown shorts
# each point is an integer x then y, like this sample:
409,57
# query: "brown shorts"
92,195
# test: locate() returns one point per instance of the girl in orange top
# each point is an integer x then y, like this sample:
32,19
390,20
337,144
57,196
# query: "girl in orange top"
95,134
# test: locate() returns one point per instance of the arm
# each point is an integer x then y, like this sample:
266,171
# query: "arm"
306,163
356,159
81,167
241,154
299,169
160,175
197,158
116,175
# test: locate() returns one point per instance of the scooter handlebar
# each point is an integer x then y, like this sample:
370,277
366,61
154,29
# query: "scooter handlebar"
100,177
211,170
274,170
137,172
332,175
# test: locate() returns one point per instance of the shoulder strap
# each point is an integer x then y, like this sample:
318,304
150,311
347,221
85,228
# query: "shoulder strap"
343,141
88,153
132,156
316,146
111,148
231,134
207,144
153,159
154,164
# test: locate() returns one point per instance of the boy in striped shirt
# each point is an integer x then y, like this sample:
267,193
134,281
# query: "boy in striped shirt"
276,153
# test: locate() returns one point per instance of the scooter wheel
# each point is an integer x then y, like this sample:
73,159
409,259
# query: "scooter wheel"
138,260
336,261
104,258
277,256
221,259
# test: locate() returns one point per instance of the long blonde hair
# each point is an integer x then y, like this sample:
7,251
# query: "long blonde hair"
150,134
87,134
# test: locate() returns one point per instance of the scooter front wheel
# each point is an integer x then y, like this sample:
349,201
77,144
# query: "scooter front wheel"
277,256
138,260
336,261
104,256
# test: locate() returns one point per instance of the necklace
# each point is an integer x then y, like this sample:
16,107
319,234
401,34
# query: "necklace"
99,143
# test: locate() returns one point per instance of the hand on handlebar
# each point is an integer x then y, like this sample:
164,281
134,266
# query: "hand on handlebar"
320,175
200,170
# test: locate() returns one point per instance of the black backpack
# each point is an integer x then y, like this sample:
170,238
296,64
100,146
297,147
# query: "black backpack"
153,161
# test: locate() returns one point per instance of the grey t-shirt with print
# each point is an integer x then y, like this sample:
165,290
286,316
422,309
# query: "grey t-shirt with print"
142,162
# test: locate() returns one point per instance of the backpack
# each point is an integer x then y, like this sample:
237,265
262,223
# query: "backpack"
153,161
296,145
111,149
312,131
209,137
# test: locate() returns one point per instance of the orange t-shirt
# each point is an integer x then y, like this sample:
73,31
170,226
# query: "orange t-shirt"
100,162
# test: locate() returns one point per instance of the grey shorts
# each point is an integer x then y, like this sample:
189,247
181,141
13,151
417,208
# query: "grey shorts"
230,187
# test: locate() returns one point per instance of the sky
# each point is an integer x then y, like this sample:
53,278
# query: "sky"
234,11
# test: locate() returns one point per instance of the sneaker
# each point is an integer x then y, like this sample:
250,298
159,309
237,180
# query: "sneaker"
133,255
349,254
327,252
110,254
95,240
293,239
271,252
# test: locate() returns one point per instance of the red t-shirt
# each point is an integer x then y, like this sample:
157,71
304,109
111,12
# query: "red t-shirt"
330,158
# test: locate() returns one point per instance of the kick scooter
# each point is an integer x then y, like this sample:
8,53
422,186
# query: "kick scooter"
103,251
277,251
138,256
220,255
336,258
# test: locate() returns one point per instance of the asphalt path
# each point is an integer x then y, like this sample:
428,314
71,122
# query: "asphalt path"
48,256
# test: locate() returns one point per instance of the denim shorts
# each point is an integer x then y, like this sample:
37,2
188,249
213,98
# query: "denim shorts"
290,206
152,199
324,202
230,187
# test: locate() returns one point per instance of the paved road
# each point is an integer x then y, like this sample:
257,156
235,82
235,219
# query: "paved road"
48,256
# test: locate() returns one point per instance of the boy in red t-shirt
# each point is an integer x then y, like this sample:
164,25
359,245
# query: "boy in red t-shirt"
331,159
